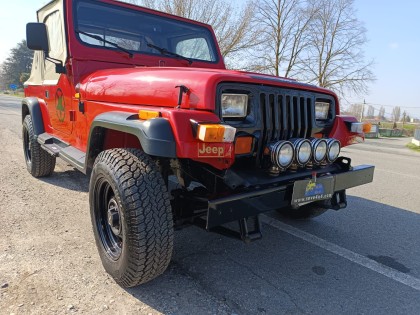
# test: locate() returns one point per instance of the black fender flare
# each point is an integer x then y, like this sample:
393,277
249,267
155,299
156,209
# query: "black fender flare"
155,135
31,106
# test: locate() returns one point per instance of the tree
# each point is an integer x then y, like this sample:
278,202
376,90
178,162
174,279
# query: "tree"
234,28
3,85
370,112
396,113
404,117
381,114
18,62
356,110
24,76
335,57
284,31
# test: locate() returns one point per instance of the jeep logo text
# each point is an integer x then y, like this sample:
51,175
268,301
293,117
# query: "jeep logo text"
206,150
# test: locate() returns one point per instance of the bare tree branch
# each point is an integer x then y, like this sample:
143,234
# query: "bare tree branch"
335,58
396,113
233,27
284,24
316,41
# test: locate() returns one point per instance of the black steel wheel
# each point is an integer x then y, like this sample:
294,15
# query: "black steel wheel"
305,212
131,216
108,219
38,161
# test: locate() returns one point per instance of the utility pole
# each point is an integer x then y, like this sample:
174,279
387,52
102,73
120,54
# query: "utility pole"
363,110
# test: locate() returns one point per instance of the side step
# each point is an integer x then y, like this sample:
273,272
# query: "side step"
50,144
63,150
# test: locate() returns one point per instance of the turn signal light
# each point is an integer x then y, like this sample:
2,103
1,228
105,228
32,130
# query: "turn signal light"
361,127
215,133
148,114
367,127
243,145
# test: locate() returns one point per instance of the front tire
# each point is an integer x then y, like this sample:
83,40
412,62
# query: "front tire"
131,216
38,161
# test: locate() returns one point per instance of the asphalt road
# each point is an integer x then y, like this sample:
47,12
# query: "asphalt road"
364,259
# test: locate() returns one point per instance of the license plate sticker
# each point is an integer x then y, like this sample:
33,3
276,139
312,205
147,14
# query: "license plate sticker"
309,190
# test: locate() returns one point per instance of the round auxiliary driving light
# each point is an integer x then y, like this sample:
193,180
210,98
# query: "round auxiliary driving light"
303,151
282,154
319,150
334,148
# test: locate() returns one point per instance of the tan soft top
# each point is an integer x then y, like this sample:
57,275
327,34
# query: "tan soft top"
43,71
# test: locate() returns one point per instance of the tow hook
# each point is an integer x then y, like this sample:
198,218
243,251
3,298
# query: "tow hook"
337,202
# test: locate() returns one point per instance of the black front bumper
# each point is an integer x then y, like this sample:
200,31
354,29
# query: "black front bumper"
256,201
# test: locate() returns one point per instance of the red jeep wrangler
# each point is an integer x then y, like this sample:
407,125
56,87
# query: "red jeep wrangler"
142,102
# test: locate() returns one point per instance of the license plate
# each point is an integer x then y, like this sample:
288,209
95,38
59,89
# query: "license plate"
309,190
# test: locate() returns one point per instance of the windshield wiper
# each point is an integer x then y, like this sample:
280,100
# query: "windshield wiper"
107,42
164,51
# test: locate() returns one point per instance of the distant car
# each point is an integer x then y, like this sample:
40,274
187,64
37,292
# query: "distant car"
142,102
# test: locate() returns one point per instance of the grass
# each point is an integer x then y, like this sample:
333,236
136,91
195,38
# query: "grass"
17,94
407,126
413,147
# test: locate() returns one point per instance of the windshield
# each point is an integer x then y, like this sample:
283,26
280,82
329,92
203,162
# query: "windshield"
140,32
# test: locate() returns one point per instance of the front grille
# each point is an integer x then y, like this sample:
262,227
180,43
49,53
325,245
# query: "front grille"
286,115
275,114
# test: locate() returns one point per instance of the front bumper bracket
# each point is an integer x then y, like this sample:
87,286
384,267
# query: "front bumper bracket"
254,202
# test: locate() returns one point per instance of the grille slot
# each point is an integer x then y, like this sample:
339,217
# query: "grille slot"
286,116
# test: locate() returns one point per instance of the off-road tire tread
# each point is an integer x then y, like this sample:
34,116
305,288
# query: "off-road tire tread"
42,163
147,213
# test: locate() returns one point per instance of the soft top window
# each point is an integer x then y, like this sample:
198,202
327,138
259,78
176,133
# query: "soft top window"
100,24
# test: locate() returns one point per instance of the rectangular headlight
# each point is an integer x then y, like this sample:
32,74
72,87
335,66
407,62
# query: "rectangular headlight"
321,110
234,105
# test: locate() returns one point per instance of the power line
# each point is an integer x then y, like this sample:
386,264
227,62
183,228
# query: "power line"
376,109
408,107
386,114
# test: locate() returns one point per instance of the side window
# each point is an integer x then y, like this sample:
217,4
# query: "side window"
195,48
55,35
56,39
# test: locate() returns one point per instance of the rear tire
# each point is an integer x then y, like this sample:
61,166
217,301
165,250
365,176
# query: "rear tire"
131,216
306,212
38,161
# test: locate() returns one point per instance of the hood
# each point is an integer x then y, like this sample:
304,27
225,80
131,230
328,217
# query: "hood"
161,86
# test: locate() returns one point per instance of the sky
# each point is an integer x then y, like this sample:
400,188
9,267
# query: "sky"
393,31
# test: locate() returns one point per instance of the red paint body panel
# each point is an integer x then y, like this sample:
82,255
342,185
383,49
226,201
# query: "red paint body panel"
157,86
341,132
186,145
47,94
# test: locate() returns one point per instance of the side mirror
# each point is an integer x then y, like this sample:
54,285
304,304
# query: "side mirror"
37,38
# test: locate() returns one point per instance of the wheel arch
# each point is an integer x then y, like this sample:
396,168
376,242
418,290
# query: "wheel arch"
154,136
31,106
